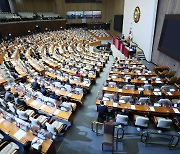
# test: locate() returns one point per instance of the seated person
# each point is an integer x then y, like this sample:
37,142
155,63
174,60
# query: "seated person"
148,86
163,96
18,101
43,90
141,94
78,74
102,112
35,84
2,90
54,96
8,95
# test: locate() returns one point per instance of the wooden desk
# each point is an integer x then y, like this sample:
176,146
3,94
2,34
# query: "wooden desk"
53,111
50,64
134,74
72,96
141,108
37,67
174,94
10,129
2,80
134,81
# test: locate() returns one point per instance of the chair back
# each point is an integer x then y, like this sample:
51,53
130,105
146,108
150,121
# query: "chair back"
122,119
112,84
165,88
110,96
165,102
22,114
12,107
34,122
148,87
109,128
126,98
144,100
164,123
128,87
142,121
50,128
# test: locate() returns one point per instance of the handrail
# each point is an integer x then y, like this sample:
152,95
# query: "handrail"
173,141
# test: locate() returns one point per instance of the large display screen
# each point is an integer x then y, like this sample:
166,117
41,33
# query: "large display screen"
169,40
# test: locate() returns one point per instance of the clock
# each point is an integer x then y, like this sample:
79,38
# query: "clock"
137,14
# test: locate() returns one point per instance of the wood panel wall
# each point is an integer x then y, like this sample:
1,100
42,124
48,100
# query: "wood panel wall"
159,58
33,5
108,7
21,28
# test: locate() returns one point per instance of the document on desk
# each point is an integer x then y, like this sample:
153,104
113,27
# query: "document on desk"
69,95
1,120
56,112
34,103
133,107
20,134
152,108
158,81
120,90
145,81
139,73
176,110
156,93
43,106
169,93
115,104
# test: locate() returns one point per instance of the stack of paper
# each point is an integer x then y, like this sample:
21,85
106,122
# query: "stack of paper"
145,81
20,134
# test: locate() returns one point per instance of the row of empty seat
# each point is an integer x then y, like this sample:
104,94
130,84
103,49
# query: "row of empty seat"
6,16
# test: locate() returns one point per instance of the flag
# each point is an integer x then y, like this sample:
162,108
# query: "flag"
130,33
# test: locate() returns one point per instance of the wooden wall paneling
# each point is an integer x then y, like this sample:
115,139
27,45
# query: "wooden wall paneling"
33,5
21,28
159,58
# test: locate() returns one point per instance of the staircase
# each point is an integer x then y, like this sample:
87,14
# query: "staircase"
140,54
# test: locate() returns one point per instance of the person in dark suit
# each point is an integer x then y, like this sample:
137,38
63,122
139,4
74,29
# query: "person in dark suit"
8,95
54,96
43,90
19,101
102,112
35,84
